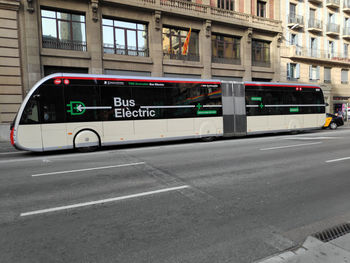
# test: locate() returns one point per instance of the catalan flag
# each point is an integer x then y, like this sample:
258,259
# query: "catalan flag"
185,46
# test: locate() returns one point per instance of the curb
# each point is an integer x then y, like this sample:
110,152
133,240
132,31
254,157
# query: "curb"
315,251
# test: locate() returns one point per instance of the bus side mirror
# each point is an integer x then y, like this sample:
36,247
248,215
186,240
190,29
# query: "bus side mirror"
327,104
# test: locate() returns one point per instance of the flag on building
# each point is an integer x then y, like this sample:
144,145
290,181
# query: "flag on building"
185,46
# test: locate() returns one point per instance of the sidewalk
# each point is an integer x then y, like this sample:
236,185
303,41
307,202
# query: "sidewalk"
316,251
4,132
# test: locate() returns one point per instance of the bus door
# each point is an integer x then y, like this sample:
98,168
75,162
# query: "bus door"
52,115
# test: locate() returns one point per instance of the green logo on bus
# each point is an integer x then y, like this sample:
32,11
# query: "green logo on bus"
76,108
293,109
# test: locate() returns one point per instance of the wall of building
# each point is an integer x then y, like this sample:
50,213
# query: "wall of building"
10,64
300,53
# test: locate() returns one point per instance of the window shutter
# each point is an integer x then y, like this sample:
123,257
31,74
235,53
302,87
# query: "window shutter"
297,73
318,73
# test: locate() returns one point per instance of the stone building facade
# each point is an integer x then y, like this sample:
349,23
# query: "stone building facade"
230,40
11,82
315,47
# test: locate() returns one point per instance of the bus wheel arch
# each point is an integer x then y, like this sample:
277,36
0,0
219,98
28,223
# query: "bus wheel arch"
86,140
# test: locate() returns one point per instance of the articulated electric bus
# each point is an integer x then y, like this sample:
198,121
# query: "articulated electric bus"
68,111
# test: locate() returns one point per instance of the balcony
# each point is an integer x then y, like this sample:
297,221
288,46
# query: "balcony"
295,21
264,64
64,44
315,55
346,33
317,2
203,11
346,6
333,29
333,4
315,26
221,60
188,57
123,50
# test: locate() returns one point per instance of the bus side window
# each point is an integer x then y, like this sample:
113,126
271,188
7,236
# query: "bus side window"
51,104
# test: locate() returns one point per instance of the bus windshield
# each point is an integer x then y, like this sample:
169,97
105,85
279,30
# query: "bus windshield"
31,113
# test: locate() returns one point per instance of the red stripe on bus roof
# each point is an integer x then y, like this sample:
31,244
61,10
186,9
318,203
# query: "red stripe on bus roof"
141,80
281,85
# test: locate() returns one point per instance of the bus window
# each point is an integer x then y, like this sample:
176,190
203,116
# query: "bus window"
82,102
110,93
150,96
30,114
51,104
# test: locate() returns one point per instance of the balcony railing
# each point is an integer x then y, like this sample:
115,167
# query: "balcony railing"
265,64
333,3
346,31
234,61
215,13
123,50
64,44
333,28
295,19
184,5
188,57
315,23
317,54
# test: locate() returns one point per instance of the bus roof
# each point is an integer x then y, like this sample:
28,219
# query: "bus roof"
164,79
127,78
274,84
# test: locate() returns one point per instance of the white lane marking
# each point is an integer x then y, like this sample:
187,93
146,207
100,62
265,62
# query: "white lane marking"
49,210
89,169
58,156
338,160
289,146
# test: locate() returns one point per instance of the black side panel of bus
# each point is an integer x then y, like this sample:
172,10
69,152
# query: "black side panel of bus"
234,112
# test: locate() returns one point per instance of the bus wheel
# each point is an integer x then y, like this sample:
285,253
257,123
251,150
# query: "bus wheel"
208,139
333,126
86,141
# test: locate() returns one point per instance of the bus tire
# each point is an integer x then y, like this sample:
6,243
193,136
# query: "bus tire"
208,139
333,126
87,141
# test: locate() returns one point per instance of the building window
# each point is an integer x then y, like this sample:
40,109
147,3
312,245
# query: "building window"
314,73
226,49
327,75
226,4
331,49
63,30
292,9
261,8
344,76
261,53
293,39
124,38
346,51
314,50
293,71
173,44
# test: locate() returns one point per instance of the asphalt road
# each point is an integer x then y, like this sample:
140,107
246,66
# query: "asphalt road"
235,200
